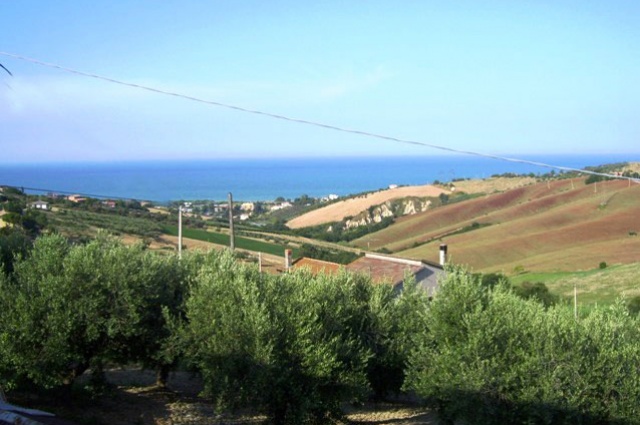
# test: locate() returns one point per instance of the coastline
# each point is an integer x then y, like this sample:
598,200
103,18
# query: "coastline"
266,180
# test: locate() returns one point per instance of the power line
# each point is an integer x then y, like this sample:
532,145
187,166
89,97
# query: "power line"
309,122
3,67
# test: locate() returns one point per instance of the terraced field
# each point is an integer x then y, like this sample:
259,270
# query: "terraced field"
560,225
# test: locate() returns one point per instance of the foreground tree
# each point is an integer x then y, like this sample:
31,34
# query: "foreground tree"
67,308
290,345
14,244
492,357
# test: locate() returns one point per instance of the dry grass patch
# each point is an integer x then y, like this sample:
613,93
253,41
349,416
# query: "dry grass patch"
493,184
159,210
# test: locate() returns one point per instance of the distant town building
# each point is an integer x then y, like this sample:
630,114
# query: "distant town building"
281,206
218,208
76,198
40,205
247,206
330,197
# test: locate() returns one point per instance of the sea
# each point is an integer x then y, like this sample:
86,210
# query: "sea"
268,179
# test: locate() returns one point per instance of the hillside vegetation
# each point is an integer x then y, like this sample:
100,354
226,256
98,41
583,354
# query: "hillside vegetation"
553,225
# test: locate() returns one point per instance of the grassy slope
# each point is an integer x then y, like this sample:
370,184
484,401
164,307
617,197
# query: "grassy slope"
593,286
538,227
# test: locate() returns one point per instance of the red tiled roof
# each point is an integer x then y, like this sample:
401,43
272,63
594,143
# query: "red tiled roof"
382,270
316,266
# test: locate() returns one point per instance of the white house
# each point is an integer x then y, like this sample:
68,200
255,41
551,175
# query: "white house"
40,205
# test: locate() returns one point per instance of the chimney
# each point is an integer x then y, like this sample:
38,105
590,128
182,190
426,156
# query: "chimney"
443,254
288,259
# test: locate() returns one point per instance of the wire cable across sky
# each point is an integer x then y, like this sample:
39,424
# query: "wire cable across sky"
309,122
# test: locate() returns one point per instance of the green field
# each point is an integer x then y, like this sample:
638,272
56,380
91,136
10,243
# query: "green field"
598,286
223,239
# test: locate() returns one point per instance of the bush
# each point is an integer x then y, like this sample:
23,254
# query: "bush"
633,305
326,254
602,265
536,291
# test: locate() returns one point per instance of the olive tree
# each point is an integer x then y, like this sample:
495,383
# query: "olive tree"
67,308
290,345
493,357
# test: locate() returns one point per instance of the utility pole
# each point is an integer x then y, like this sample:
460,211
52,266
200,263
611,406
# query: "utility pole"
575,300
232,242
180,232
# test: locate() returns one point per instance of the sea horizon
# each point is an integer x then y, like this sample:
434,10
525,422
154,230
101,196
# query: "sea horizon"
257,179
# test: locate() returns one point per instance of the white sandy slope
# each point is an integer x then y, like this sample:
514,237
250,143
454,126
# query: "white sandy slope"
354,206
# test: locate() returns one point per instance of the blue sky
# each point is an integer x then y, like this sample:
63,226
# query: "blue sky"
499,77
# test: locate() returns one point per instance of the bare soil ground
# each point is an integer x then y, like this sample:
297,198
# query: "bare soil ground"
560,225
134,400
354,206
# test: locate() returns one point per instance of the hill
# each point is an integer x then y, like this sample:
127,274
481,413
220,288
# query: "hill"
353,206
556,225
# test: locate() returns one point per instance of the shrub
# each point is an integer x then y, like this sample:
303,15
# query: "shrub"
633,305
326,254
537,291
602,265
519,269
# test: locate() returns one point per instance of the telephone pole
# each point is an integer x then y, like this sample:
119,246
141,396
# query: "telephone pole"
575,301
232,242
180,232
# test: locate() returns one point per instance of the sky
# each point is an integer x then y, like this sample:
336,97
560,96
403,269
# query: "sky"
498,77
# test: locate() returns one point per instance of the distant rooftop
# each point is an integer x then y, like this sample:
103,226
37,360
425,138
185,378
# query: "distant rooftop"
392,270
316,266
